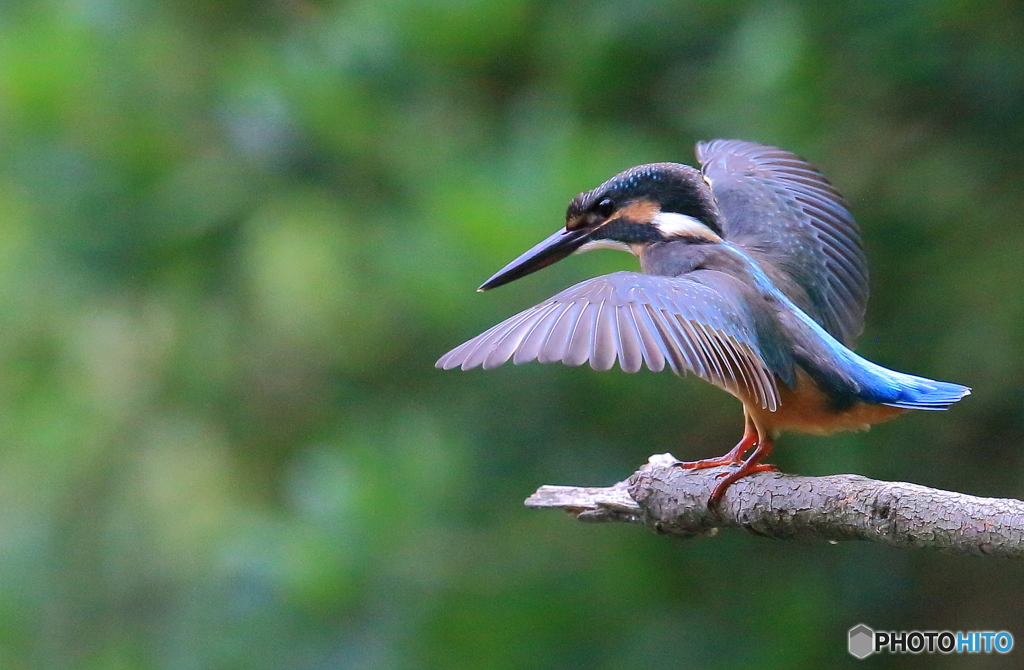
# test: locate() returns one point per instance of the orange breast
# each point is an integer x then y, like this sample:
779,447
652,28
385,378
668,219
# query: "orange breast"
806,409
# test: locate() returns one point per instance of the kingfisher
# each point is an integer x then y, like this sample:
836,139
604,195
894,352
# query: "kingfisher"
752,277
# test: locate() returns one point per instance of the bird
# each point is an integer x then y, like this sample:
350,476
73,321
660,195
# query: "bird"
752,277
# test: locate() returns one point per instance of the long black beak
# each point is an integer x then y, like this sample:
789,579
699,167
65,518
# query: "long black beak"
551,250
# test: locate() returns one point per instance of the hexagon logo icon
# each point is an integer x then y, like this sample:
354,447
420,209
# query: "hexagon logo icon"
862,641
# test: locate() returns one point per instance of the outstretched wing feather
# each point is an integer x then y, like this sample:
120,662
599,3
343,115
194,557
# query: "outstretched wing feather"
696,323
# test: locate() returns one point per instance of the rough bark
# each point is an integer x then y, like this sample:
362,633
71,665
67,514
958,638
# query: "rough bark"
671,500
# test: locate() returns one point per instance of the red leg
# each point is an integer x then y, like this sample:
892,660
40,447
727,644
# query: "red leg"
734,457
751,465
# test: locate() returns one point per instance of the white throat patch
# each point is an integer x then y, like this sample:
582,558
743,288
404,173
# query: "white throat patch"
674,224
603,244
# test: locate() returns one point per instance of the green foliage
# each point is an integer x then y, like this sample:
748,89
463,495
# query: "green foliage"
234,237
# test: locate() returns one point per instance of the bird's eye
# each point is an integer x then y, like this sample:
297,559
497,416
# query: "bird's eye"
605,207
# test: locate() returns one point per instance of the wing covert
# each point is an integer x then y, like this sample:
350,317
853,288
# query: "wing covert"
788,215
696,323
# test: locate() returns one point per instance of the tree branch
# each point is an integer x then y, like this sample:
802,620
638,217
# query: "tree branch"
671,500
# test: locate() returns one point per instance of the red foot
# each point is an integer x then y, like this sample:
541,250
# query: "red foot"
750,466
760,467
734,457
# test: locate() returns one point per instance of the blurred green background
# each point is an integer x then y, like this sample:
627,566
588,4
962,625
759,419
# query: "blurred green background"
235,236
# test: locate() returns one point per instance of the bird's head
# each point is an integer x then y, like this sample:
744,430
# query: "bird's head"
647,204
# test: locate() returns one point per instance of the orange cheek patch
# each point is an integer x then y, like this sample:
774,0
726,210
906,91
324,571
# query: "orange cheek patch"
641,211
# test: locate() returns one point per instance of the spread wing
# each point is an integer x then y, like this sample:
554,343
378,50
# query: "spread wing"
696,323
789,217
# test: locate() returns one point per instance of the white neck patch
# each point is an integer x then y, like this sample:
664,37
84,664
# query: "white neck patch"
674,224
603,244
